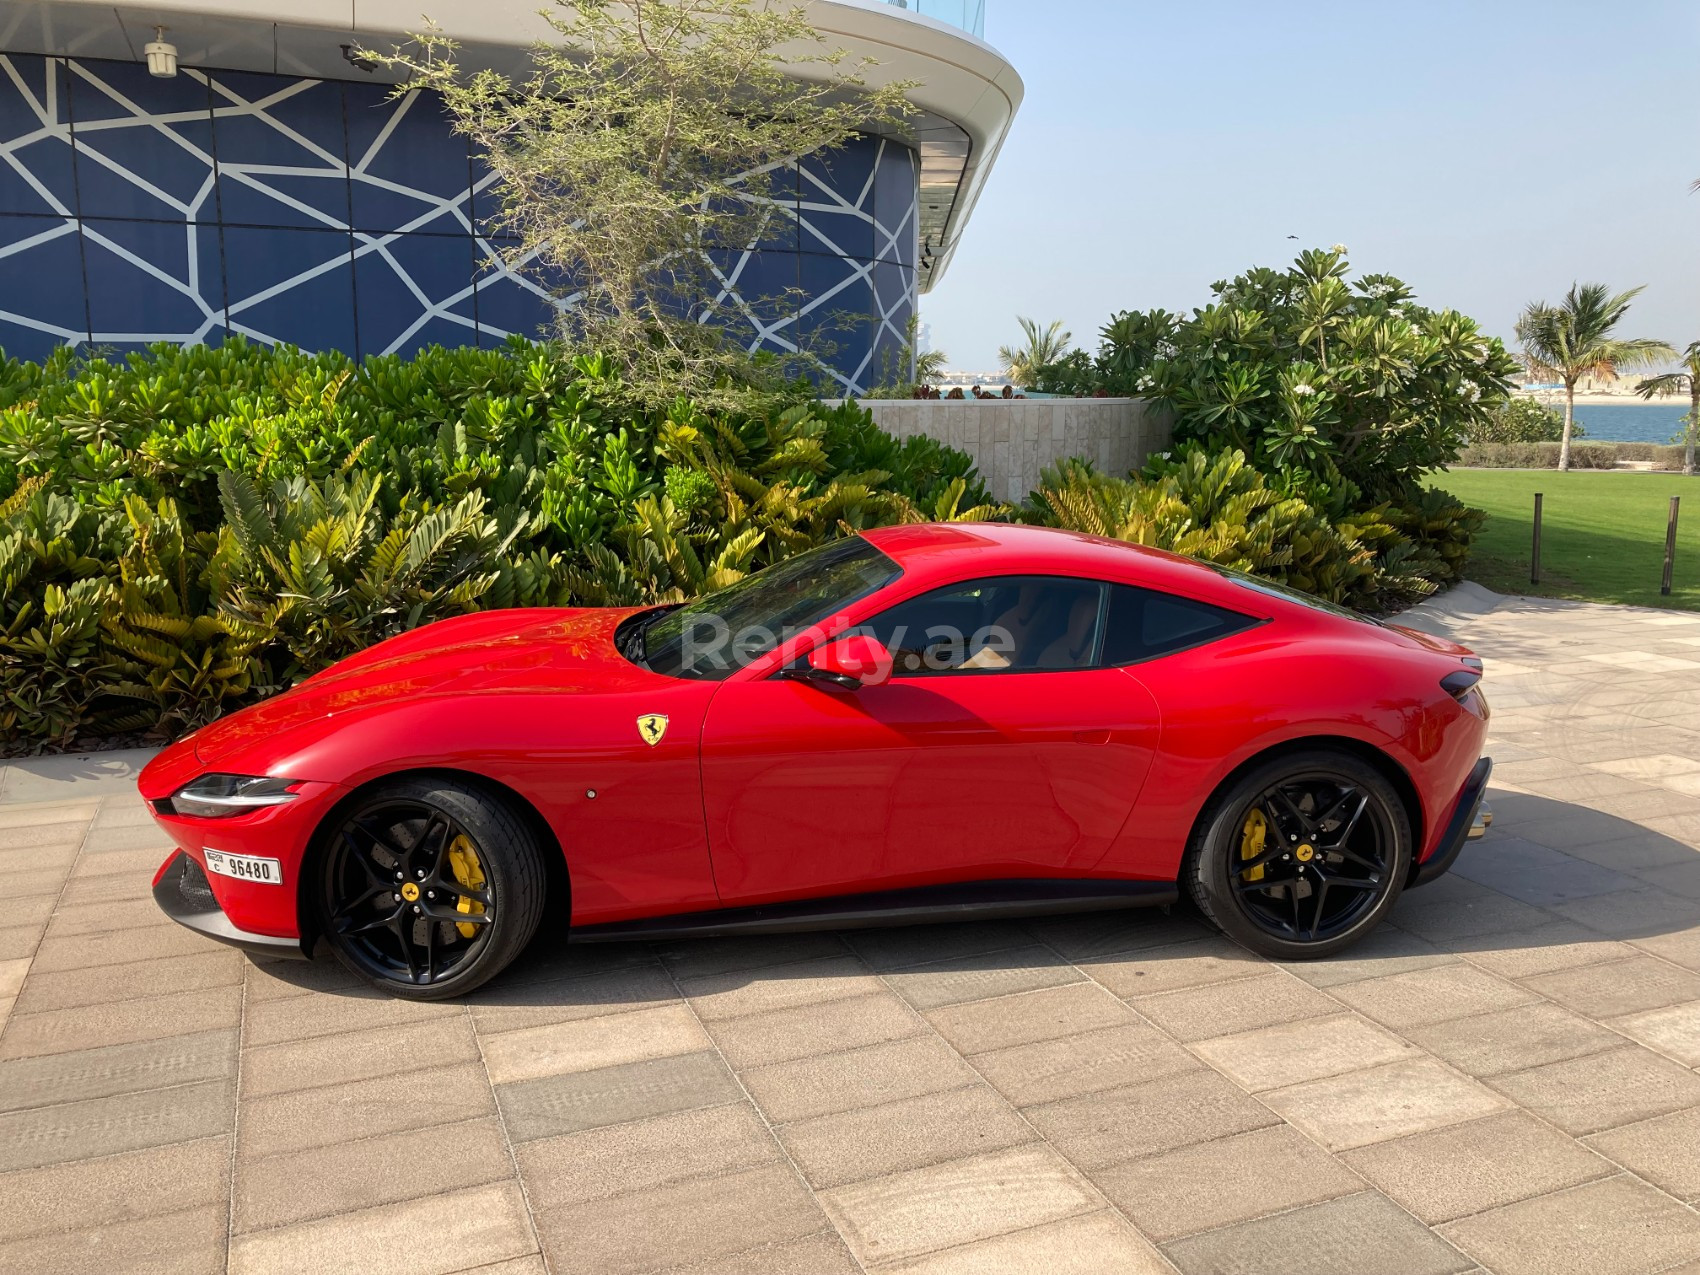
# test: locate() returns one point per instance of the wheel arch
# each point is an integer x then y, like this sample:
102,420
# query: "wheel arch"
1389,767
557,884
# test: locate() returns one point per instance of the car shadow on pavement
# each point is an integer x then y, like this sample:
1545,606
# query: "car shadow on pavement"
1549,874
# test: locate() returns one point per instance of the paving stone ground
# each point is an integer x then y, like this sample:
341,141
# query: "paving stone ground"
1505,1078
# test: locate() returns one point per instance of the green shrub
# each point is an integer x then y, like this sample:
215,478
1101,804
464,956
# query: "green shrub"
1522,420
185,529
1545,455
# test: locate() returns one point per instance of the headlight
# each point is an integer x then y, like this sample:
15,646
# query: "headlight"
216,796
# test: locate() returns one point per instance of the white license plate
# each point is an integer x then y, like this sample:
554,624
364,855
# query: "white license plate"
245,867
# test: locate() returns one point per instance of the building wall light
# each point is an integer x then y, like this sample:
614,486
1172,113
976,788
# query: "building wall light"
162,57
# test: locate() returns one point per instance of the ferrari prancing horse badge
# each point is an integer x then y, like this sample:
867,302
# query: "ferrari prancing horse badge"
652,726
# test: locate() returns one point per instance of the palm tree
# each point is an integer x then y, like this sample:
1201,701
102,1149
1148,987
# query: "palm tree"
1021,362
1574,339
1675,383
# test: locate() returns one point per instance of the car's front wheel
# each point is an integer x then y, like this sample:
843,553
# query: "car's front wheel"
429,886
1302,855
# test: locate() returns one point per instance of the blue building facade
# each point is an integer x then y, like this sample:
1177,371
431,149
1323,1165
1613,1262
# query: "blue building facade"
328,215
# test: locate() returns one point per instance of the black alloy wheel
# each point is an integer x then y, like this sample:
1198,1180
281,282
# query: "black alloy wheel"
1302,856
429,887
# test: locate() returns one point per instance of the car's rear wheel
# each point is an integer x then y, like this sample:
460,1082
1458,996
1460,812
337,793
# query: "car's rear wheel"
429,886
1302,855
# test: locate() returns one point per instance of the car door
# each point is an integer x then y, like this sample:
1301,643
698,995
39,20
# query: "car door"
954,770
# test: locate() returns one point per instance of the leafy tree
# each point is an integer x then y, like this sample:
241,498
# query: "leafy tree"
650,142
1675,383
1575,339
1039,347
1351,390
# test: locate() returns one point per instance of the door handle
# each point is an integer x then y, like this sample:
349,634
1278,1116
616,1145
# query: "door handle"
1091,736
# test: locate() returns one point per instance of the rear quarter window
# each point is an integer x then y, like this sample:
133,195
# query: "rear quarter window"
1142,624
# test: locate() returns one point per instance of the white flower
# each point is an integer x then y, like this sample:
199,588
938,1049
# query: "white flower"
1339,248
1303,390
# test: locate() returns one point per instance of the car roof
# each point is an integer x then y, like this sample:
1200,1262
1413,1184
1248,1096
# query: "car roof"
958,550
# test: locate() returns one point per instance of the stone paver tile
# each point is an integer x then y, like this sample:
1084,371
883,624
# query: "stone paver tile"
132,864
1642,849
821,1254
553,1105
1650,769
98,1193
302,1017
1448,1173
117,1069
1680,947
18,941
511,1006
1091,1244
381,1104
899,946
667,1225
1101,1129
26,892
122,1122
1404,1001
70,989
27,836
1559,946
732,995
6,1010
187,1243
98,918
29,814
1537,874
980,1026
1387,950
698,958
1587,1095
1050,1070
1613,1227
1441,921
335,1060
857,1078
140,836
434,1236
1673,1031
853,1146
347,1176
1088,935
271,980
12,975
121,1022
1175,967
108,887
1363,1234
551,958
905,1215
144,943
123,811
1239,1006
973,978
598,1163
1229,1180
1633,914
1290,1053
610,1041
1618,987
1677,878
1665,1150
1514,1039
1362,1107
787,1034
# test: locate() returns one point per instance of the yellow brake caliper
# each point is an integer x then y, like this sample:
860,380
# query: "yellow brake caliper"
1251,842
470,873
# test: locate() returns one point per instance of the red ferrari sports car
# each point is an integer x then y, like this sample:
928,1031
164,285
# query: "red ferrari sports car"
921,722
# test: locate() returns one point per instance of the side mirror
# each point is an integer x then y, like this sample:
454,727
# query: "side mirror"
851,662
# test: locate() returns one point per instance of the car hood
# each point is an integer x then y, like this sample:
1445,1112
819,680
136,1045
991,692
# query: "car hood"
538,650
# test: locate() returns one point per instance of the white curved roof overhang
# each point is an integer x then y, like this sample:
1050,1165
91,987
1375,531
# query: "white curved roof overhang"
968,93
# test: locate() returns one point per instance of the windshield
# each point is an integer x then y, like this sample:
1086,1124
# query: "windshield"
715,636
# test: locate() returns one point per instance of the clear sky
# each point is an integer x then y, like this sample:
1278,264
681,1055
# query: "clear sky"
1488,152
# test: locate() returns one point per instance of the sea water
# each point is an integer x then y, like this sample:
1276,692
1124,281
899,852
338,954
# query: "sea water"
1631,422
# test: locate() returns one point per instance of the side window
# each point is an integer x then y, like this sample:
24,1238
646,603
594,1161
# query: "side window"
1142,624
1004,624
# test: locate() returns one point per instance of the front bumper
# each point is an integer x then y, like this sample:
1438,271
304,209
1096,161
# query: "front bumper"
1470,819
184,894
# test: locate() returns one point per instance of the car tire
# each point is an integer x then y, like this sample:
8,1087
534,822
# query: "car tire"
441,840
1262,865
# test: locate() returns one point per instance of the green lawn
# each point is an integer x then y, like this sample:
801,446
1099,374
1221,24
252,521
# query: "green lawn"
1602,534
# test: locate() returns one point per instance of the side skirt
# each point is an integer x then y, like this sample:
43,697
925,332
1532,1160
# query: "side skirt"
970,901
